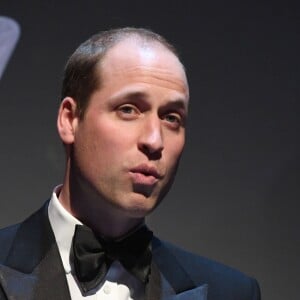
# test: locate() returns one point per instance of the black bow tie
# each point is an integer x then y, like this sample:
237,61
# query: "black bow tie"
93,255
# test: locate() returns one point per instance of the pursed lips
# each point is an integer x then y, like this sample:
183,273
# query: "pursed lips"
145,175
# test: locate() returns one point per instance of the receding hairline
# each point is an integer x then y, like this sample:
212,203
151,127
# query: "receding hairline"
145,36
83,70
139,42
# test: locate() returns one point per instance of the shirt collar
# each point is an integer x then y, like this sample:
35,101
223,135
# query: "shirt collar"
63,225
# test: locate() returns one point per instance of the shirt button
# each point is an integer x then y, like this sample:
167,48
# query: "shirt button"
106,289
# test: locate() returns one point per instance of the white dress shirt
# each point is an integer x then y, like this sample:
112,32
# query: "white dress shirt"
118,283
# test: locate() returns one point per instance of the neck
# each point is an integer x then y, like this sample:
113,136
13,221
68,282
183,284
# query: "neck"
94,211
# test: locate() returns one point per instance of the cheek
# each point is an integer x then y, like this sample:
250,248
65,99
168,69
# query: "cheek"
109,142
175,147
112,143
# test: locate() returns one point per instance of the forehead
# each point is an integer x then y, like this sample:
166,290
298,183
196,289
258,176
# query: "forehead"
143,61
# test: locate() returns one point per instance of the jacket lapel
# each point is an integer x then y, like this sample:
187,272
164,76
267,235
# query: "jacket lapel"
16,285
33,269
33,266
199,293
174,282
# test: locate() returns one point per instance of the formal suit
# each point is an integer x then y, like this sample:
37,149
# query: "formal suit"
31,269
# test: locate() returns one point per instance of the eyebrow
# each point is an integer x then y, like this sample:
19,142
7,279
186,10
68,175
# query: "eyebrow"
129,95
178,103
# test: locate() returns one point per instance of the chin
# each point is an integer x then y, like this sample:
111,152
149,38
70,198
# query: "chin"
139,207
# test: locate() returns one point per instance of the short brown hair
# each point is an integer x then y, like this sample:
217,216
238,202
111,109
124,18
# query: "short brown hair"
80,76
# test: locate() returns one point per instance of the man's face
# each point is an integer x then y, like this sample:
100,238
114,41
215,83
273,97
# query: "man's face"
128,144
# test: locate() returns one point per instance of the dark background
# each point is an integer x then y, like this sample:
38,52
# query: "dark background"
236,195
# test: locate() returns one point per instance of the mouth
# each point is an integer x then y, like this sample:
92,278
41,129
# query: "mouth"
145,175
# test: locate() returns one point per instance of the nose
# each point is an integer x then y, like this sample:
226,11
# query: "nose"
151,138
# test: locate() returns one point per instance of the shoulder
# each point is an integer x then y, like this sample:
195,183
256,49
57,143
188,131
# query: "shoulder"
222,280
20,235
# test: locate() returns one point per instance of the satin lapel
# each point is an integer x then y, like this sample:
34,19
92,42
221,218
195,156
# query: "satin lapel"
170,268
199,293
35,262
16,285
154,287
175,283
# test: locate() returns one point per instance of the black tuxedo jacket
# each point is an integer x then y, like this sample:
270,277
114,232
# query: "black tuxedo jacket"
31,269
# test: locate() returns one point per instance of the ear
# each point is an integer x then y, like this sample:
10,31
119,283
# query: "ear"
67,120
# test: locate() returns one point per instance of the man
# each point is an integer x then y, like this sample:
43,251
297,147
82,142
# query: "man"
122,122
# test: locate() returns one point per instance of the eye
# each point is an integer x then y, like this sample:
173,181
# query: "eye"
127,111
174,120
